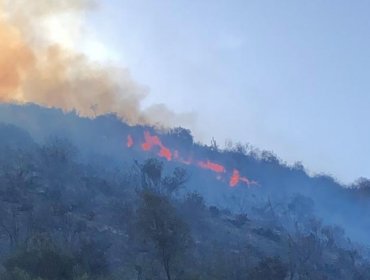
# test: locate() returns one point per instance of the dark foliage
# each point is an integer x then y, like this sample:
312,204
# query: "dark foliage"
78,206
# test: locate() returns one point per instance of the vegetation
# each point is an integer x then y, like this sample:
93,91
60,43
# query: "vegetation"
65,215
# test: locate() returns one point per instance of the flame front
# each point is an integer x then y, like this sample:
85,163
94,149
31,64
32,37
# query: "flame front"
235,178
152,141
218,168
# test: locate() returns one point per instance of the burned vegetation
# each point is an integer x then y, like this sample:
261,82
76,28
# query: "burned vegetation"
71,211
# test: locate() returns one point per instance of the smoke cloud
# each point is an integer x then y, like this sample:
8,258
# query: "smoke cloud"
35,67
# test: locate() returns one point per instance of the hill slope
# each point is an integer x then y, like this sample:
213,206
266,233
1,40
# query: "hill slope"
91,190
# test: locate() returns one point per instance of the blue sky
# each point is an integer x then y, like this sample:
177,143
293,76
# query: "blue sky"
288,76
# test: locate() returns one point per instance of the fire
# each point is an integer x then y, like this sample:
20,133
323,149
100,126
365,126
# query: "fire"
151,141
154,141
130,141
211,166
245,180
166,153
235,178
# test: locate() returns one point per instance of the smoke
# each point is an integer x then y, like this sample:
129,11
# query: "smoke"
39,64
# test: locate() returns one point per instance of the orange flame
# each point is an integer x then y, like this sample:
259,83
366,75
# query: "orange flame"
235,178
212,166
152,141
130,141
164,152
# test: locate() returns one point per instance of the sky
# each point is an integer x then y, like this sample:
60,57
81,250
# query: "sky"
288,76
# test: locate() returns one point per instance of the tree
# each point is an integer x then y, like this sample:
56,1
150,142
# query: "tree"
159,224
91,256
305,252
183,136
175,181
17,183
152,177
40,258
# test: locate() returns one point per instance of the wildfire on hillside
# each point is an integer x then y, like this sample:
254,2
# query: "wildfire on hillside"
153,143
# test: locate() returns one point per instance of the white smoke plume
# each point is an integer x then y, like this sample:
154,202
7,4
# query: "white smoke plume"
38,65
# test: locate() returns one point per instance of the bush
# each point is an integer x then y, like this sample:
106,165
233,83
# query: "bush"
46,264
269,269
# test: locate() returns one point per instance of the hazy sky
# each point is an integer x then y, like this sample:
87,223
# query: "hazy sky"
288,76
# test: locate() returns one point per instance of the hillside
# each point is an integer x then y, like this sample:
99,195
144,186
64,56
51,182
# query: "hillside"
96,198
